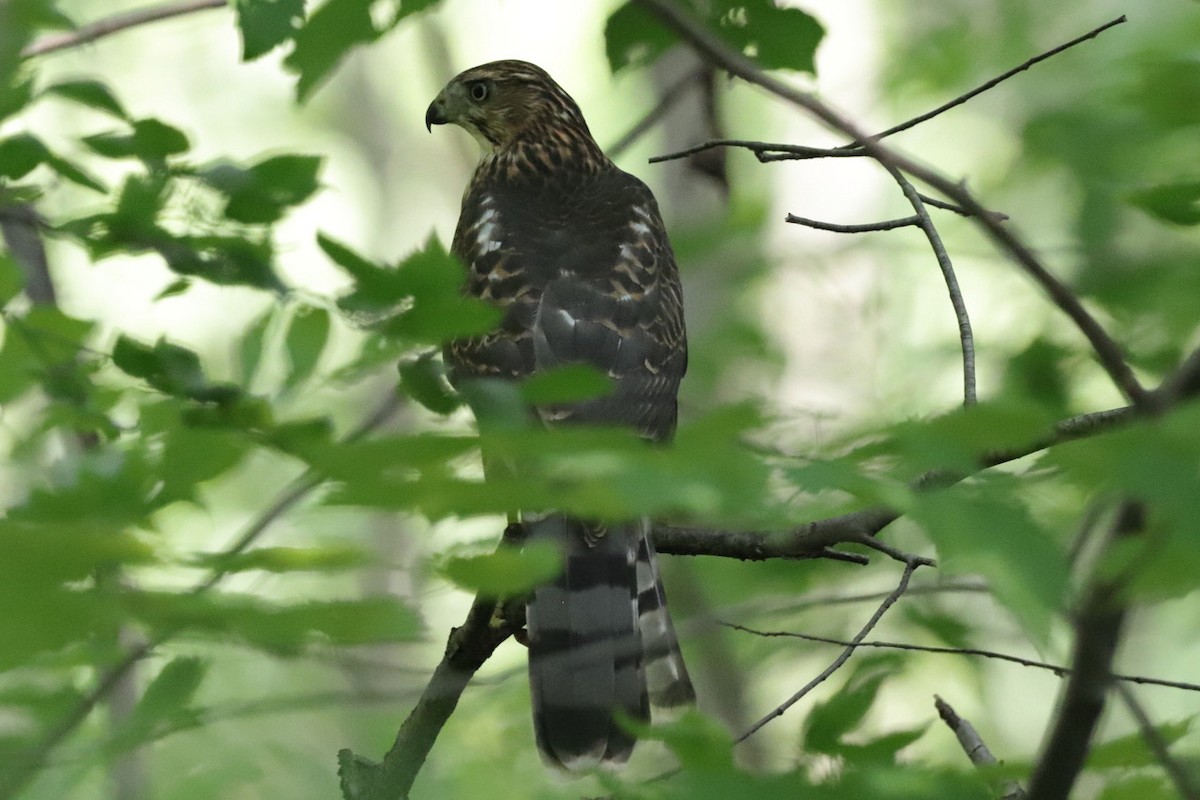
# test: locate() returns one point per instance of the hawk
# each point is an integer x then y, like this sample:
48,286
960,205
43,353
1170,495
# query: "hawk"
574,251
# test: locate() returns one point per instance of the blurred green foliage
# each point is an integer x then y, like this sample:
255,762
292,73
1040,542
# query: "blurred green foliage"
114,439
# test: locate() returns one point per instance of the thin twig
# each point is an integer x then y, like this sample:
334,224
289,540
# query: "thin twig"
669,98
1187,788
958,101
764,151
867,227
1109,353
942,204
114,24
975,748
1057,669
965,337
888,602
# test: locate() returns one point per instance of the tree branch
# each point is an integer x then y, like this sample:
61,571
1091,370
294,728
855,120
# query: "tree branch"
869,227
114,24
1057,669
975,748
1107,350
962,98
887,603
668,99
1178,772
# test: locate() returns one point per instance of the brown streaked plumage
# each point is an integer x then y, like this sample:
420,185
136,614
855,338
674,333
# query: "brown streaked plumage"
574,251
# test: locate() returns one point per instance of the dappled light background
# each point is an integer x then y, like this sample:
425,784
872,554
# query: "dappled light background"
831,333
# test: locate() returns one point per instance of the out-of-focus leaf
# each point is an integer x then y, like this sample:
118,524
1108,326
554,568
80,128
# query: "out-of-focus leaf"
979,528
151,140
334,29
424,381
12,280
266,24
278,629
250,349
20,155
14,97
262,192
1168,90
287,559
829,722
90,93
419,300
569,384
171,369
506,572
307,335
1131,751
777,37
1139,787
947,629
167,697
1176,203
191,456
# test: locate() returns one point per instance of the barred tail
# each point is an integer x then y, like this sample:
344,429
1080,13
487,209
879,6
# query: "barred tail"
601,643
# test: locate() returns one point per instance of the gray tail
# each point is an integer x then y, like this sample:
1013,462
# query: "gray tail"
601,644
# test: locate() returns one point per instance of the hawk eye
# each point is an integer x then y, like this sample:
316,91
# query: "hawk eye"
478,90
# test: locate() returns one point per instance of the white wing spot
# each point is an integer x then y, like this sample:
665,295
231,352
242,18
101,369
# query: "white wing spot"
643,213
639,227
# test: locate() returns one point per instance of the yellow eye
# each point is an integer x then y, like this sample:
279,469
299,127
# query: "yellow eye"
478,91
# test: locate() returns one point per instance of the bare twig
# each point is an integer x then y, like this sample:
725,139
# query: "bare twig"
720,54
888,602
958,101
975,748
468,647
965,337
1057,669
1184,784
116,23
868,227
942,204
765,151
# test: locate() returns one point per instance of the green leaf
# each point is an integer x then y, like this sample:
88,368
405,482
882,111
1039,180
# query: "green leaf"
776,37
419,300
424,381
1176,203
506,572
1139,787
151,141
307,335
74,173
250,347
266,24
12,280
278,629
337,27
169,694
569,384
829,722
1131,751
287,559
171,369
20,155
262,192
980,528
633,36
14,97
191,456
89,93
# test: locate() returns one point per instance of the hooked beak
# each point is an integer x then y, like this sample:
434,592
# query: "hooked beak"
435,115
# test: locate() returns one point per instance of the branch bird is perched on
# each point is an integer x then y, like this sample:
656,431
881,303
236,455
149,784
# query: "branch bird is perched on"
574,252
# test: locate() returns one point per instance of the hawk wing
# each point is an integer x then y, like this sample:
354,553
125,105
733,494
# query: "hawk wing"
584,277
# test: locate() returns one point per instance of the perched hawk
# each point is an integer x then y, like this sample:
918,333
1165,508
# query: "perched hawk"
574,251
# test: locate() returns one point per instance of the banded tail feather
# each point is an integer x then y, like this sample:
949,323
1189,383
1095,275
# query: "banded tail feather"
601,644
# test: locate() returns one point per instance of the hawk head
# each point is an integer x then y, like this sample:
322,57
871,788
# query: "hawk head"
504,103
